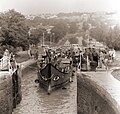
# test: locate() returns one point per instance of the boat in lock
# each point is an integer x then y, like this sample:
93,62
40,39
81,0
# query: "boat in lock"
54,69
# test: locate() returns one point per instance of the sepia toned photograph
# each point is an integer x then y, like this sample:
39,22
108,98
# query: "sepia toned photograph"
59,57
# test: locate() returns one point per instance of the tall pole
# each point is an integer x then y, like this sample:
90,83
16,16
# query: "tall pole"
43,38
53,37
29,33
89,41
50,40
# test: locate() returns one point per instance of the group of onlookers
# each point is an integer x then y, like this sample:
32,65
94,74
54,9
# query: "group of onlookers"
106,57
88,60
33,52
93,58
8,61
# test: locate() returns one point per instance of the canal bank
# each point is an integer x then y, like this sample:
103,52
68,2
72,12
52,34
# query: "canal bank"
98,93
10,87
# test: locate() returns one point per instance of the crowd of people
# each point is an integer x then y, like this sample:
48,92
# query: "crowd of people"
33,52
88,59
61,59
97,58
8,61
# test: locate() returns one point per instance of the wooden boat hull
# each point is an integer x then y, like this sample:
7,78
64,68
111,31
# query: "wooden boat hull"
51,78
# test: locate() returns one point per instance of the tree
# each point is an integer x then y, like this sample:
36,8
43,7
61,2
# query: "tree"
85,26
60,30
73,41
73,27
37,36
14,30
99,32
113,39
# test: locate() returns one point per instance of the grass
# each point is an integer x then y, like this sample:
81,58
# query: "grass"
21,56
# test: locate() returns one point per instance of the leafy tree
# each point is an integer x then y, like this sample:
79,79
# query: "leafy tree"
59,30
73,40
37,36
100,32
73,27
113,39
85,26
14,30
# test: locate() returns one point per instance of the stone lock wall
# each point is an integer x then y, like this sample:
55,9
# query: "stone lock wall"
10,88
5,94
89,101
16,87
10,94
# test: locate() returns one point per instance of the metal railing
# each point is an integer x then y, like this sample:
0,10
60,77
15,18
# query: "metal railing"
6,65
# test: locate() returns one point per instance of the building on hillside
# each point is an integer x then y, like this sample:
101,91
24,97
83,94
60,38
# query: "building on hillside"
67,43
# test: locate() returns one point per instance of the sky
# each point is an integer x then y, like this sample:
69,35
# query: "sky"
56,6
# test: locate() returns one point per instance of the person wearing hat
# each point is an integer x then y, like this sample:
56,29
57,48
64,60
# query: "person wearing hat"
6,53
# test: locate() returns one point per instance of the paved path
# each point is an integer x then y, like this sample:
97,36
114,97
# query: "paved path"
106,86
27,63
